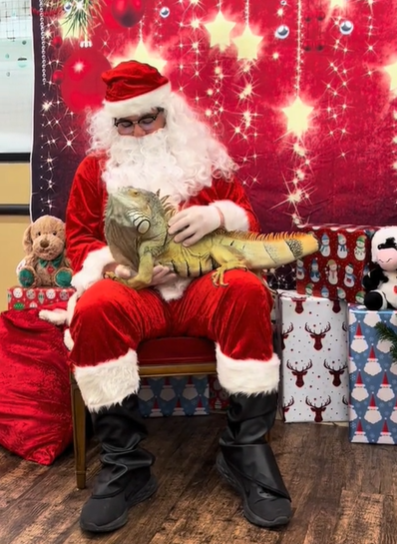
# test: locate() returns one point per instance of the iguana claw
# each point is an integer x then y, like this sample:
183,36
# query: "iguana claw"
133,283
218,275
114,277
217,279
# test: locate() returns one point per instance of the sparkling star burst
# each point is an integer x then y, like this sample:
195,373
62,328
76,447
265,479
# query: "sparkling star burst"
219,30
248,43
391,70
141,53
337,4
297,114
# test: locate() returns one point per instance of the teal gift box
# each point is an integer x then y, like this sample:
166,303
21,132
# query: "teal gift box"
372,378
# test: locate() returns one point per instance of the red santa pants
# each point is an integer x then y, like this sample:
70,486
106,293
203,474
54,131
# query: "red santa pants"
110,320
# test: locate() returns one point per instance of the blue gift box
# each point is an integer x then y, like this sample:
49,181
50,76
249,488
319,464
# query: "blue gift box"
174,396
372,378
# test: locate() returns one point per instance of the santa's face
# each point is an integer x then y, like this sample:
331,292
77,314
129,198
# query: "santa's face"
141,125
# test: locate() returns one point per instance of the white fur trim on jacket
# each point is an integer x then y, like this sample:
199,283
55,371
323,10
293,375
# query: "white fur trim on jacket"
249,376
108,383
139,104
92,270
175,290
67,340
236,217
58,316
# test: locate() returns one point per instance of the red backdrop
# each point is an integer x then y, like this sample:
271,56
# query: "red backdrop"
302,91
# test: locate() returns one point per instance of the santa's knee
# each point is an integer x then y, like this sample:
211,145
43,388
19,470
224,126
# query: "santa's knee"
102,305
375,300
246,289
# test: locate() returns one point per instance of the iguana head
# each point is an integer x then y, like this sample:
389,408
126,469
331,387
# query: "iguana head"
137,209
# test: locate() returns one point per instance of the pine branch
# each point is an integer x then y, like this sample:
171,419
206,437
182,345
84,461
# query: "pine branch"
387,334
80,15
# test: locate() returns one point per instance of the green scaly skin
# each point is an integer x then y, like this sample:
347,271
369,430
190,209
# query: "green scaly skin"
136,229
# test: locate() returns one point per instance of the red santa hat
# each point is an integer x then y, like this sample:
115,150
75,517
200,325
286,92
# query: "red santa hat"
133,88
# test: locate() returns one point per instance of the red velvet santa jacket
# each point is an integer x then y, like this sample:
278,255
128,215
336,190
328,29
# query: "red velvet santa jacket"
85,241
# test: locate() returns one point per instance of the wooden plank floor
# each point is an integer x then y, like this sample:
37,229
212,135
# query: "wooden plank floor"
342,493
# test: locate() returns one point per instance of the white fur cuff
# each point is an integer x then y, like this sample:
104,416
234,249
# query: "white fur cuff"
67,340
250,376
174,290
236,217
108,383
92,270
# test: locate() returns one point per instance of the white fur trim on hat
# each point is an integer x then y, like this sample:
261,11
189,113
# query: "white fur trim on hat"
139,104
92,270
236,217
248,376
108,383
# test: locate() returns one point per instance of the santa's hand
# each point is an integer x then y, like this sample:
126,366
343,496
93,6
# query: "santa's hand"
161,275
194,223
124,272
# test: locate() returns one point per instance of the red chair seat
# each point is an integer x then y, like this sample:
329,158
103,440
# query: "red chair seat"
176,350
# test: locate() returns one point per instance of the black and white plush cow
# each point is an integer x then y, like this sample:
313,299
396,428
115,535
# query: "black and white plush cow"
381,282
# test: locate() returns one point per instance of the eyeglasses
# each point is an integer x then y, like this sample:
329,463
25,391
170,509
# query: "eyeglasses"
146,123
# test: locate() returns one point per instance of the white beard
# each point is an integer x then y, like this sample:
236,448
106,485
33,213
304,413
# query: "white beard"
147,163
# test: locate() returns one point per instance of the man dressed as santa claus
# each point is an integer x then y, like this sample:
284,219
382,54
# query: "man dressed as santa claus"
146,136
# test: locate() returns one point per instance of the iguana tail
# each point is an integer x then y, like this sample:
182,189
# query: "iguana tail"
266,251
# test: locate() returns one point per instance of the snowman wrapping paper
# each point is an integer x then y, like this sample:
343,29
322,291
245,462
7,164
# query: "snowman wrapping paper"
21,298
372,378
312,343
337,269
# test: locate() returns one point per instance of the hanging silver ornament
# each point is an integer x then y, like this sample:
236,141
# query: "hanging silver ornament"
164,12
346,27
282,32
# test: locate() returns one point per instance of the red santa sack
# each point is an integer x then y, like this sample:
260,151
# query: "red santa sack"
35,406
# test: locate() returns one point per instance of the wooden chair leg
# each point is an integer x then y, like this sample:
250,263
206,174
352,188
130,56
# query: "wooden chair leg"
79,435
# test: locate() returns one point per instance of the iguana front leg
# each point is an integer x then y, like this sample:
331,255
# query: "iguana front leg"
144,276
228,260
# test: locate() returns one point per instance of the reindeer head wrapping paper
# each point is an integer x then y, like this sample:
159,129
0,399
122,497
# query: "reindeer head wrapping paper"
312,334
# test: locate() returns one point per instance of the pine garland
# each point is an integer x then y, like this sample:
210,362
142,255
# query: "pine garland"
80,14
387,334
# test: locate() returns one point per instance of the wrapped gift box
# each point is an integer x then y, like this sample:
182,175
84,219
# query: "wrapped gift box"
372,378
219,399
20,298
174,396
336,271
312,336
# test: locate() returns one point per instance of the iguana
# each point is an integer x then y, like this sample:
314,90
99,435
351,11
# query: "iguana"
136,230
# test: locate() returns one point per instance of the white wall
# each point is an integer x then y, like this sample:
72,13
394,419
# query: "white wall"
16,77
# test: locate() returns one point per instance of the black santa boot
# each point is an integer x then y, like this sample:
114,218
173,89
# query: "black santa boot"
247,462
124,479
